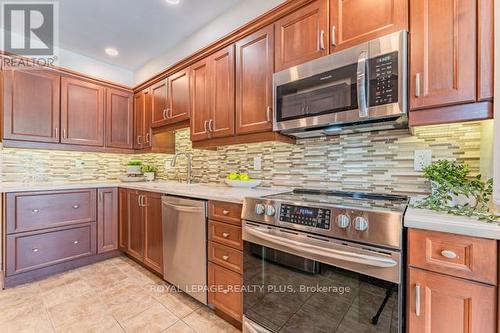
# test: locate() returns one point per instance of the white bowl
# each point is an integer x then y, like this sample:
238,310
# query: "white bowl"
241,183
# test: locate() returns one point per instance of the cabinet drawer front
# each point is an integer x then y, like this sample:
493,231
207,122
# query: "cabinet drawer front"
225,212
225,256
225,293
461,256
29,251
27,211
225,234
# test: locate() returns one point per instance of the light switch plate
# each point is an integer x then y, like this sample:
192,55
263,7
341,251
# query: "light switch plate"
257,163
421,159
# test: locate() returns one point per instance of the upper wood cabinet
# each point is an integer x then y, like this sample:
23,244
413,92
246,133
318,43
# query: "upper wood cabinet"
31,105
485,50
82,112
254,76
159,103
302,35
119,119
200,99
356,21
178,91
433,298
443,58
142,119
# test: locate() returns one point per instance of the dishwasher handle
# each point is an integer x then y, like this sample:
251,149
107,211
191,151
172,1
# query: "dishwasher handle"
183,208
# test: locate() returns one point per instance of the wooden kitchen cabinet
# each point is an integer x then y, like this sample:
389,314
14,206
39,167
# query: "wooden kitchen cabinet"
159,103
153,240
178,91
302,35
135,225
142,119
82,112
119,119
31,105
357,21
123,219
443,57
228,300
254,76
444,304
107,219
200,100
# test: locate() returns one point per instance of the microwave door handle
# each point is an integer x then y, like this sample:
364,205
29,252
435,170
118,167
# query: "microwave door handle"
361,85
313,250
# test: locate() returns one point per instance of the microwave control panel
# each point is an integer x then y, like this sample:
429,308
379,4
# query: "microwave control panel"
307,216
384,79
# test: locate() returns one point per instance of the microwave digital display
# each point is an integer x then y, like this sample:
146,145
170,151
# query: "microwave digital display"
383,72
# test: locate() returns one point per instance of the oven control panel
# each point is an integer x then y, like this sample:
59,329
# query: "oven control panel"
384,79
307,216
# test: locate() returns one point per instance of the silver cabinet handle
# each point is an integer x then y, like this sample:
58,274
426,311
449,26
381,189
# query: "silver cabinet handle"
417,85
76,242
225,234
35,250
225,291
322,39
35,211
139,140
101,196
139,200
268,113
64,133
205,126
211,126
76,206
225,258
148,137
169,113
144,201
449,254
165,114
417,299
361,85
334,35
56,132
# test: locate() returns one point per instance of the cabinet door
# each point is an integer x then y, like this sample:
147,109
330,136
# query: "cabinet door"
107,219
123,219
222,93
443,52
135,225
148,119
139,110
82,112
119,119
31,105
356,21
228,300
200,99
178,93
254,76
159,102
433,297
153,240
302,35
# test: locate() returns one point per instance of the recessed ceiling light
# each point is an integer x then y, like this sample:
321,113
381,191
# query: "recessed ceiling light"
173,2
111,51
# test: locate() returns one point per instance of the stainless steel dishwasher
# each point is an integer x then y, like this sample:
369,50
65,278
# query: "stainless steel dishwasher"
185,245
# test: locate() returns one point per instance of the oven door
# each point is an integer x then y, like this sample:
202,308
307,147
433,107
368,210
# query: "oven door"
295,282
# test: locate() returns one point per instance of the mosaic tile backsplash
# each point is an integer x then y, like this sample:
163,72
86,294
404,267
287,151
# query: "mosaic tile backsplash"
376,161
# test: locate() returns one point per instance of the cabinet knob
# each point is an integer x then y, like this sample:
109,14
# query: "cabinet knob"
76,206
225,291
35,250
225,212
35,211
449,254
225,234
76,242
225,258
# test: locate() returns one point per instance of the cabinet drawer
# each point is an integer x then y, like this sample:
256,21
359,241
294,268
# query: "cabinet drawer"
32,250
225,212
27,211
461,256
225,291
225,234
226,257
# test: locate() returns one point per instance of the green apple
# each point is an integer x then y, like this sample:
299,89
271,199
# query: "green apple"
233,176
244,177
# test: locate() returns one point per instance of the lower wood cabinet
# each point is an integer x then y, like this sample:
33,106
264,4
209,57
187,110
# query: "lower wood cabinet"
227,298
107,220
140,227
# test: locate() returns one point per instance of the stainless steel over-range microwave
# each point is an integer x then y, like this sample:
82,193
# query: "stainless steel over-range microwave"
364,86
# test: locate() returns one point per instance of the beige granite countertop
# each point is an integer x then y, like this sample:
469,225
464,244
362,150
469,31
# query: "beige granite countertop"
199,191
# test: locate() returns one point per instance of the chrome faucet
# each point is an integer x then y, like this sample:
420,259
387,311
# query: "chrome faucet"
188,156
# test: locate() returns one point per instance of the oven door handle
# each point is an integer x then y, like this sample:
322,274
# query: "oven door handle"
314,250
361,85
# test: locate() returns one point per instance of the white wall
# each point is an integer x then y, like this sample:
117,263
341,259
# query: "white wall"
218,28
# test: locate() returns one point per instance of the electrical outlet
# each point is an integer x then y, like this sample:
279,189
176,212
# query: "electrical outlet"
421,159
257,163
79,164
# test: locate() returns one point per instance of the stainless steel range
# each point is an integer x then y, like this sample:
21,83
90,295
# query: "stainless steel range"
323,261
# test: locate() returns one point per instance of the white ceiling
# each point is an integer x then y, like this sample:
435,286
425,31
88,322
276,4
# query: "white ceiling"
139,29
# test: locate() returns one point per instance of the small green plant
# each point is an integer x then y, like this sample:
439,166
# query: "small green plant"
453,178
134,162
149,168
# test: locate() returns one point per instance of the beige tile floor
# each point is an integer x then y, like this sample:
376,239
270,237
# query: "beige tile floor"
115,295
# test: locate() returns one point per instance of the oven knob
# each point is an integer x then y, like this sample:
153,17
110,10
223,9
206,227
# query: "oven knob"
270,210
259,209
360,223
343,221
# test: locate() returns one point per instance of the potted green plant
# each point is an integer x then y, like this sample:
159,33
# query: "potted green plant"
149,172
134,167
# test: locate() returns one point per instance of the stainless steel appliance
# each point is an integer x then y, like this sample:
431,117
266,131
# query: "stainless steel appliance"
185,245
363,87
323,261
